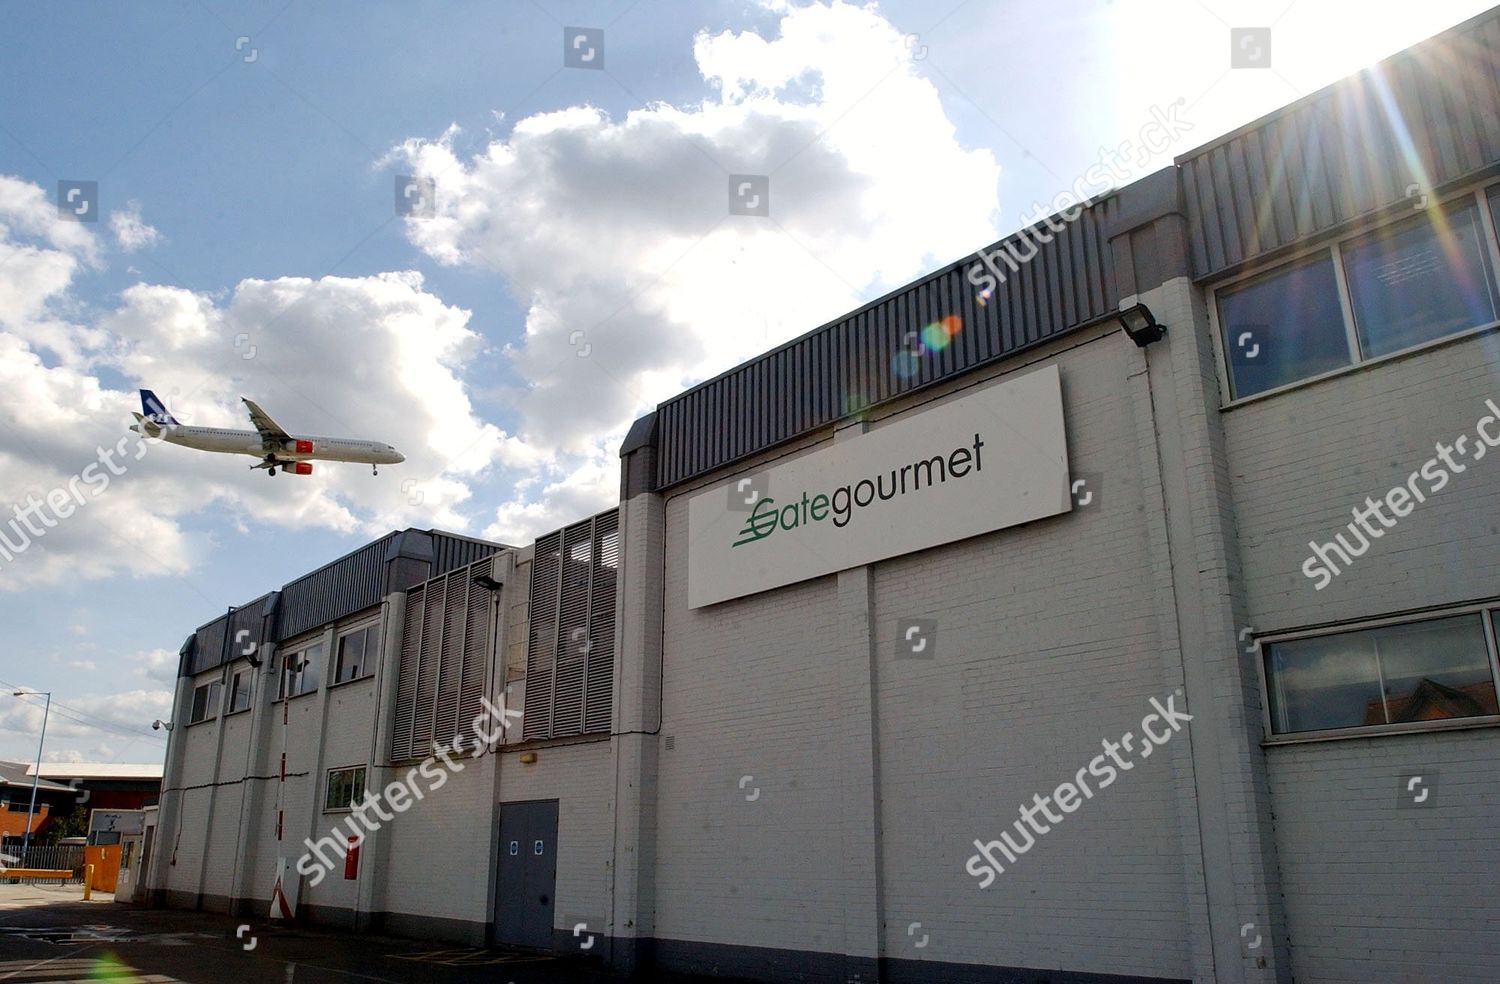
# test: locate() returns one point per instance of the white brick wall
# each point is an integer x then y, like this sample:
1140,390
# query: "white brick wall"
1047,643
439,849
580,779
1374,892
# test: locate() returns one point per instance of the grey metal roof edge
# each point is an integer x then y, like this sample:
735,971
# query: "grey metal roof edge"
1410,51
642,434
979,366
1344,230
410,544
469,539
339,560
1019,235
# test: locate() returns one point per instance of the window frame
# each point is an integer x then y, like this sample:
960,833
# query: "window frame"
217,706
234,675
328,775
1489,613
281,673
370,628
1476,194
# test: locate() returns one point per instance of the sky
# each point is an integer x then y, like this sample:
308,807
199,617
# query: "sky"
570,259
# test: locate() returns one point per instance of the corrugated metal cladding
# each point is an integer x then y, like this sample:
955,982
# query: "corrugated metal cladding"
360,580
850,364
452,552
570,653
342,588
446,650
1424,117
208,646
337,590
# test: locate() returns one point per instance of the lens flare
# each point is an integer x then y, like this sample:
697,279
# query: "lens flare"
906,364
855,403
109,967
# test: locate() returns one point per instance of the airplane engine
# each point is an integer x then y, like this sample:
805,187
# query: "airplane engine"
297,467
302,447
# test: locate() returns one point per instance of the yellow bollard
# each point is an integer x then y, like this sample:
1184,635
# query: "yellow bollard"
88,882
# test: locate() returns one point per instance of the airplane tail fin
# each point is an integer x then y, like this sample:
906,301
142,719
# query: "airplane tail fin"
145,425
155,410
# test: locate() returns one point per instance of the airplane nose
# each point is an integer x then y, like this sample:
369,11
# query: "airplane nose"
399,457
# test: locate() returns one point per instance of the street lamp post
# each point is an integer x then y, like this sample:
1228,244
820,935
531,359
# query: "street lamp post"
37,776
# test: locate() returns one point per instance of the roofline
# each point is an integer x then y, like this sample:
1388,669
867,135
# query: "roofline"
343,557
1260,122
1093,202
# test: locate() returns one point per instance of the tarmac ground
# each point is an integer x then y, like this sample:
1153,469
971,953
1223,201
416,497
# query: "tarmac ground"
49,934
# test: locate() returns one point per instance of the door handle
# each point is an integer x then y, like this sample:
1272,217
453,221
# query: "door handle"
544,900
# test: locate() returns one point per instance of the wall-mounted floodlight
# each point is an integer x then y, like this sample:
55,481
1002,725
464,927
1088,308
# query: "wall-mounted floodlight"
487,582
1141,325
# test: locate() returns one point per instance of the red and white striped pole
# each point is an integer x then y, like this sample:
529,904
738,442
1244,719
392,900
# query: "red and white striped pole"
280,907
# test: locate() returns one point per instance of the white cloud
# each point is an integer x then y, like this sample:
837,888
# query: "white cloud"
616,233
157,664
88,717
130,230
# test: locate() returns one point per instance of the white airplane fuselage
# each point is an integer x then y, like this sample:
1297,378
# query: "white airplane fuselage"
227,441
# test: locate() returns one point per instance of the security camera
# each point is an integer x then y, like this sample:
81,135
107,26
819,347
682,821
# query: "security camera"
158,724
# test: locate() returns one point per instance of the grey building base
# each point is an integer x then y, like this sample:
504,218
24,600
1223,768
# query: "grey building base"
642,956
402,924
805,967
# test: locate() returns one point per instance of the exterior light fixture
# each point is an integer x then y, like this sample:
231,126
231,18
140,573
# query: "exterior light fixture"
1141,325
487,582
528,758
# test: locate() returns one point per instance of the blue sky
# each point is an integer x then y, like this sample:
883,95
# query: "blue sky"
580,265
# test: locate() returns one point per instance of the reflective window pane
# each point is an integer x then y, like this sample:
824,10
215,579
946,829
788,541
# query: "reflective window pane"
239,698
1422,671
1283,327
1419,280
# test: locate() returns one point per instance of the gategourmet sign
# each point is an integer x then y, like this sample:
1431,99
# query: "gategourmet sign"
970,465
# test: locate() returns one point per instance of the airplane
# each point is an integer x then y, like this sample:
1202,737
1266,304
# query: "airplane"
269,441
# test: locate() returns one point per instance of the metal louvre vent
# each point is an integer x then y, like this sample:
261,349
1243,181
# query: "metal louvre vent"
406,680
541,642
475,647
570,653
445,660
599,683
450,660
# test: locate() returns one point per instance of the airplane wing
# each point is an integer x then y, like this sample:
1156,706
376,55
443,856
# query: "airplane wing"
271,433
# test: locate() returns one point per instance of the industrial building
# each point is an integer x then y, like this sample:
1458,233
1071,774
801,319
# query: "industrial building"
1126,614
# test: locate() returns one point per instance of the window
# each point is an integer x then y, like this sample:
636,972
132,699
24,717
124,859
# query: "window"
205,702
1419,280
356,654
301,671
1283,327
345,788
239,691
1431,670
1406,284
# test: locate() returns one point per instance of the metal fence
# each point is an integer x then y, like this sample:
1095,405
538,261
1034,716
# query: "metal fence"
53,856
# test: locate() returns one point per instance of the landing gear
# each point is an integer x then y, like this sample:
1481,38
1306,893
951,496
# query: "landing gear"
375,469
271,471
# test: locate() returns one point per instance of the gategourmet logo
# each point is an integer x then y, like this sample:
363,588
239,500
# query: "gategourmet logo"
840,504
